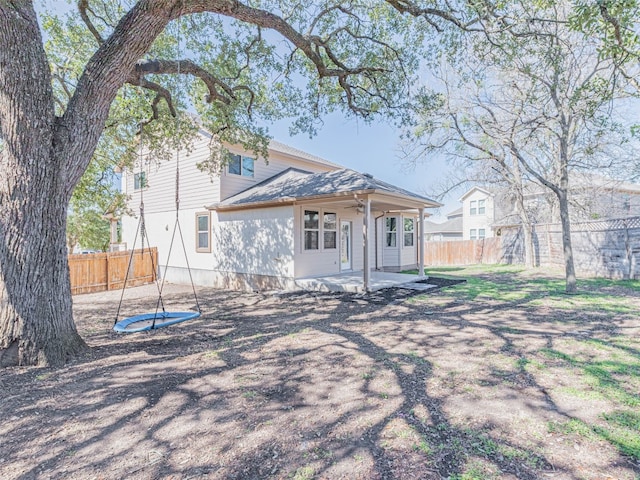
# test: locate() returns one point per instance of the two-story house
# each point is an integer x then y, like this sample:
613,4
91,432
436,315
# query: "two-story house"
262,225
477,214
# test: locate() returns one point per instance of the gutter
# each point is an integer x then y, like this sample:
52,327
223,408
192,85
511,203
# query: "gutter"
292,200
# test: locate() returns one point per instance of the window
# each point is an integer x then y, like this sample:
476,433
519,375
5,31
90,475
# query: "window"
473,234
311,229
203,232
240,165
408,232
139,180
473,207
392,231
481,209
330,232
481,233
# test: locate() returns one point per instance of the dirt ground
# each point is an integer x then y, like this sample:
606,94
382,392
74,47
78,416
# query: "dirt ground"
395,385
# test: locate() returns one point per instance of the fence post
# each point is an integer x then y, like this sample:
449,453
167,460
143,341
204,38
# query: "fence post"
108,272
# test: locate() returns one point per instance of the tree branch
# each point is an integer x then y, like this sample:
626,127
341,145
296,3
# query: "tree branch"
83,8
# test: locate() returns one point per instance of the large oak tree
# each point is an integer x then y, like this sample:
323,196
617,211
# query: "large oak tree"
246,57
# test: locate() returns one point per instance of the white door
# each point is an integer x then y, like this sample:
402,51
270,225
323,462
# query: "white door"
345,245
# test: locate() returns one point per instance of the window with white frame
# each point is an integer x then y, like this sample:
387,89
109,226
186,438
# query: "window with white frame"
139,180
311,229
473,207
241,165
473,234
391,226
481,233
408,232
481,208
203,232
320,224
330,230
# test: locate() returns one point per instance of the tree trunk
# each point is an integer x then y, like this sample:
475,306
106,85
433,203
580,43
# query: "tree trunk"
529,257
570,273
524,219
36,322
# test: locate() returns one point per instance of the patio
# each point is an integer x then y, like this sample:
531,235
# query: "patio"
353,282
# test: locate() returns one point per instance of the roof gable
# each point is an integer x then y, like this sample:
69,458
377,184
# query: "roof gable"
294,184
476,189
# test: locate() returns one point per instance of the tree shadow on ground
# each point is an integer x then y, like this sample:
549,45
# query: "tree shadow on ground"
294,386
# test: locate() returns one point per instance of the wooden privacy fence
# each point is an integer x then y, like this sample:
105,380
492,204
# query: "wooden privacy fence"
463,252
97,272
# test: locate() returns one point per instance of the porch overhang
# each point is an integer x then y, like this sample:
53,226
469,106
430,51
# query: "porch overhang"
380,201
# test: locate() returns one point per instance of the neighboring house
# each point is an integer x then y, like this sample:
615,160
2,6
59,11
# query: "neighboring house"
477,214
445,231
260,225
486,209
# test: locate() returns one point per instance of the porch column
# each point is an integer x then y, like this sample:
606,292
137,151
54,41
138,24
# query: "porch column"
421,242
366,274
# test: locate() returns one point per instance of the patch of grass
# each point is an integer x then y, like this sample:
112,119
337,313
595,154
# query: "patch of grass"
250,394
625,419
571,427
607,378
475,470
587,301
527,364
482,445
43,376
416,358
368,375
303,473
623,433
520,455
626,440
422,446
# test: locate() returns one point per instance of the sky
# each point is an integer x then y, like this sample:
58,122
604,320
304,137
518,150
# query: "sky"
373,149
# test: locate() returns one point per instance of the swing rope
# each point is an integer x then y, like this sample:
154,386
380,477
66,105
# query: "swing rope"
141,229
176,226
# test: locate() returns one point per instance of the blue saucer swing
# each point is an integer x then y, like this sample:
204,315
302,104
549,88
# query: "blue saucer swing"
152,321
160,318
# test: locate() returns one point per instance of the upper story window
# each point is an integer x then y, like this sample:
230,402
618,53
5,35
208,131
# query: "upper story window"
477,207
241,165
139,180
408,232
391,231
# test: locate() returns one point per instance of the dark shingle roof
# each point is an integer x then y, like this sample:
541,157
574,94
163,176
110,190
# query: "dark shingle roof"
293,184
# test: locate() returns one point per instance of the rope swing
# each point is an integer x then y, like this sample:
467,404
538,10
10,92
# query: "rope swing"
161,317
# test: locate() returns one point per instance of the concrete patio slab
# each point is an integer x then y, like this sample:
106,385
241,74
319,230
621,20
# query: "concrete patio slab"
352,282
